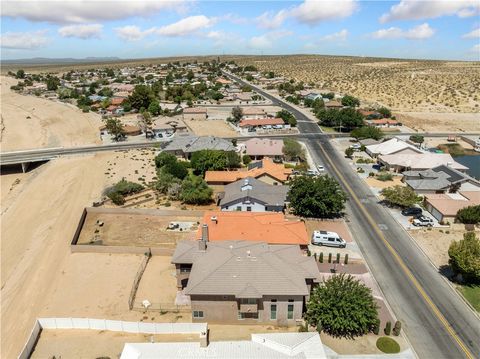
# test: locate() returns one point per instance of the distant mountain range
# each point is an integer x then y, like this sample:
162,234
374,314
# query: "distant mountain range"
47,61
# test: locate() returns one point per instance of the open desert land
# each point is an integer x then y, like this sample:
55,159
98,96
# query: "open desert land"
29,122
39,217
217,128
426,88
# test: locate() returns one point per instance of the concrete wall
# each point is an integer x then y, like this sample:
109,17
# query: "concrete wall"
224,309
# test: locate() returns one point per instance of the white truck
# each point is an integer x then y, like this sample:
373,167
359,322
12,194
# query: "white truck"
326,238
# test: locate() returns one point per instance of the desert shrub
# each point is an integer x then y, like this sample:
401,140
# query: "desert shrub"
400,196
116,198
397,328
388,328
164,158
246,159
125,187
384,176
194,190
469,215
376,327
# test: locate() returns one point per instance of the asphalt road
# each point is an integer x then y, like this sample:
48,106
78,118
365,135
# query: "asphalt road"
436,320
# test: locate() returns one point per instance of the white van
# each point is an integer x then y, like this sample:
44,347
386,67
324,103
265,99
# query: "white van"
325,238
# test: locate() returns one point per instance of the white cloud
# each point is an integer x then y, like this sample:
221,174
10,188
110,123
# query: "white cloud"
81,31
423,31
421,9
337,36
132,32
270,20
267,40
314,11
472,34
309,12
85,11
24,40
187,26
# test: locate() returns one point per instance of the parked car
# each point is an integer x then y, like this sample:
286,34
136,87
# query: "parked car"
423,221
412,211
312,172
325,238
356,147
320,168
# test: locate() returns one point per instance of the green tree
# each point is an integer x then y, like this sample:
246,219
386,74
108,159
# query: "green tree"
237,113
469,215
154,108
115,128
163,158
361,133
20,74
350,101
287,117
246,159
53,83
317,197
293,150
194,190
465,257
141,96
385,112
206,160
343,307
347,118
176,169
164,181
349,152
402,196
417,138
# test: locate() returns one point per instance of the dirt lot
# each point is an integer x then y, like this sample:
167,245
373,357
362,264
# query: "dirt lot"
373,182
130,229
440,122
362,345
158,284
217,128
79,344
435,242
402,85
31,122
39,218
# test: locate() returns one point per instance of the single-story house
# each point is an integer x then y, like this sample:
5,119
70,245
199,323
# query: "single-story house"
258,148
252,125
163,127
244,282
390,147
333,104
400,162
244,96
270,227
313,96
184,146
253,113
116,101
306,345
223,81
444,206
252,195
195,113
440,180
265,170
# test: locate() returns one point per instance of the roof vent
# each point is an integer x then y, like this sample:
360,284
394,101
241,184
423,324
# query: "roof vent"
214,219
248,253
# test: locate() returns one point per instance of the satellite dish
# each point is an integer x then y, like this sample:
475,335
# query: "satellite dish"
146,303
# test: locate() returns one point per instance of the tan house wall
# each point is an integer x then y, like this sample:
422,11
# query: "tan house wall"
268,179
224,309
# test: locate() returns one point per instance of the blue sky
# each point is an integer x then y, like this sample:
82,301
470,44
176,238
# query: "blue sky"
441,29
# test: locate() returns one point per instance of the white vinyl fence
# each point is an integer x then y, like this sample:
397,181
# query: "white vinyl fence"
111,325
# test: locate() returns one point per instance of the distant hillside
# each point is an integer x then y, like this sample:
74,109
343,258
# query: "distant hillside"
50,61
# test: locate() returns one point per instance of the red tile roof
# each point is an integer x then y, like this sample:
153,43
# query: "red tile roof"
268,227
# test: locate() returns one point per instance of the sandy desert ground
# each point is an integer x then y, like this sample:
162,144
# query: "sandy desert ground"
432,90
29,122
39,217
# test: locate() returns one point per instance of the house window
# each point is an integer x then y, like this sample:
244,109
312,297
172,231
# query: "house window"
290,311
198,314
242,316
249,209
239,208
249,301
273,312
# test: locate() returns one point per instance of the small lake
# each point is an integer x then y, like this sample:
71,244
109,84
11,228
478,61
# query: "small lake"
472,162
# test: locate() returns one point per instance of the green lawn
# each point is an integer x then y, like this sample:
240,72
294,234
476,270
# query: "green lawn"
388,345
328,129
472,294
